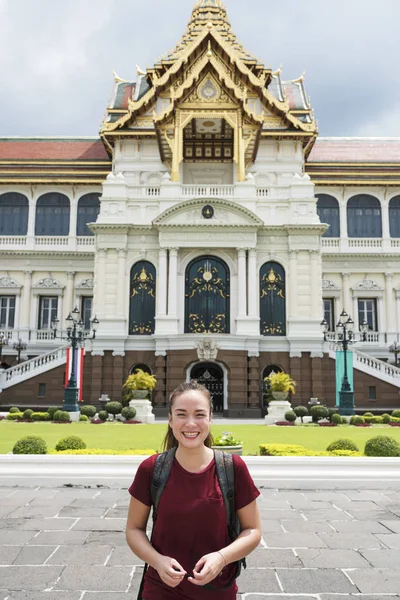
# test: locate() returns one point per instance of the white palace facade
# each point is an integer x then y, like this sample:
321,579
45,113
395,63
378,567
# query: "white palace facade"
210,231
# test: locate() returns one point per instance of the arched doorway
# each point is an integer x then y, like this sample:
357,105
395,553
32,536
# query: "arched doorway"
141,366
265,393
212,376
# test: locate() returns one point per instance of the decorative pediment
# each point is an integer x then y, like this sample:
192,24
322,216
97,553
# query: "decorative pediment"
208,213
329,286
48,285
9,285
86,284
367,285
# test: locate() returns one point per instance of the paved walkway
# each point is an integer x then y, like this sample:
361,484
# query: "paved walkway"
67,543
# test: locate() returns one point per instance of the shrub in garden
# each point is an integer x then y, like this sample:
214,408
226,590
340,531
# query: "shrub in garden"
319,412
52,410
396,414
14,409
28,414
40,416
128,413
113,408
290,416
72,442
336,419
368,414
358,421
16,416
301,411
83,419
61,416
344,421
332,411
32,444
382,445
103,415
385,418
88,411
343,444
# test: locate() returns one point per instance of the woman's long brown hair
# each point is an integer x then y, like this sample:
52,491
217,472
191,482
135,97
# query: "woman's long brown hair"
170,441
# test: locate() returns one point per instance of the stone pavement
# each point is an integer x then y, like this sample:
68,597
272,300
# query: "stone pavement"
67,543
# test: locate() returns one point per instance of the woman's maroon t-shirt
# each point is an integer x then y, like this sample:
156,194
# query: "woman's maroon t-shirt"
191,522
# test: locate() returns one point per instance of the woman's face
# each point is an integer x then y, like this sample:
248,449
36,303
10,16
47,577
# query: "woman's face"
190,419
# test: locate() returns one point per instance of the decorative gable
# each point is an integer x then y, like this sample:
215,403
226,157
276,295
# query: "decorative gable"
208,214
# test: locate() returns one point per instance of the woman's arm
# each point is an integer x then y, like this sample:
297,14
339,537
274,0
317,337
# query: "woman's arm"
169,570
209,566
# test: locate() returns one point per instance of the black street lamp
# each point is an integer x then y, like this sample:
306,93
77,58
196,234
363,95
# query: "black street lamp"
395,349
344,337
3,342
20,346
76,336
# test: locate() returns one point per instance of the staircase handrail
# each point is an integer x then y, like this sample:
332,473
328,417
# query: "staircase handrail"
34,363
376,364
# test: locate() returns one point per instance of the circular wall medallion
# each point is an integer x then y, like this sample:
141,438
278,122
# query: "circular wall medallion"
208,211
209,91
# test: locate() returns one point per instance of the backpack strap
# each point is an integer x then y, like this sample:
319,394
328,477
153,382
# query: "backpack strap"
161,471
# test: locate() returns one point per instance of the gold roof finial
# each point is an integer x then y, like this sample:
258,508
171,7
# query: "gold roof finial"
140,71
119,79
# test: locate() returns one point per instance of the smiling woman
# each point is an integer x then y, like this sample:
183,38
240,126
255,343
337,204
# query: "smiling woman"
185,488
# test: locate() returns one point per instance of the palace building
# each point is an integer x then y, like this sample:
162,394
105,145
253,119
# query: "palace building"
210,231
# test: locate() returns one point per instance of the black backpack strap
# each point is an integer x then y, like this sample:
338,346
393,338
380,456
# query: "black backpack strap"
162,469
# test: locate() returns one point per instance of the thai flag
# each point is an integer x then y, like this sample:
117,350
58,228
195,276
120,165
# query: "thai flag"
79,358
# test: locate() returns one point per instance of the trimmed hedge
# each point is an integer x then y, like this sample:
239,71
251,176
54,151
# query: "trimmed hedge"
290,416
16,416
84,419
52,410
382,445
113,408
103,415
100,451
343,444
32,444
336,419
128,413
72,442
28,414
89,411
294,450
40,416
61,415
14,409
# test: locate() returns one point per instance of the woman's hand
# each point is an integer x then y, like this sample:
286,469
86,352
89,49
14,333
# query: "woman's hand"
207,568
170,571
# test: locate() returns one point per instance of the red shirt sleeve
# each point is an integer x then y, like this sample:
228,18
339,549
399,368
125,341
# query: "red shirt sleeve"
141,486
245,490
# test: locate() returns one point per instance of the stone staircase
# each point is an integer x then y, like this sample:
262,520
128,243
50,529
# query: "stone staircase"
31,368
373,366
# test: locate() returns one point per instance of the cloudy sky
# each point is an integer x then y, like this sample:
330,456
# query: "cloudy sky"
57,57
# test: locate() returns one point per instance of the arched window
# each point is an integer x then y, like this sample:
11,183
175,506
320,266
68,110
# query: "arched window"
142,310
329,212
394,217
141,366
364,217
207,296
14,209
88,210
52,214
272,300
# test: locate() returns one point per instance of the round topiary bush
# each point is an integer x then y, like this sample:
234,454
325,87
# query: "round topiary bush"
128,413
336,418
52,410
319,412
14,409
290,416
113,408
358,421
83,419
385,418
88,411
382,445
343,444
103,415
396,414
344,421
40,416
301,411
72,442
28,414
368,414
32,444
61,415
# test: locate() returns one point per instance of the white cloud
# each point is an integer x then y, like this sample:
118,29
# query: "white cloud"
385,124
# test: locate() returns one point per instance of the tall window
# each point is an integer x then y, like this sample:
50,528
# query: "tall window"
52,214
272,299
14,209
142,309
367,311
329,312
88,210
329,212
47,311
394,217
364,217
207,296
7,312
86,312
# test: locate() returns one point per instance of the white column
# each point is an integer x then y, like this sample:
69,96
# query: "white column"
172,281
34,312
73,217
253,291
385,220
390,309
354,316
345,293
100,282
121,296
69,296
343,218
31,217
381,321
162,283
242,283
292,282
25,316
316,285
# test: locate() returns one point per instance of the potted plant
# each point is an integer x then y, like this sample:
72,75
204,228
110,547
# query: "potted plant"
228,443
138,385
281,384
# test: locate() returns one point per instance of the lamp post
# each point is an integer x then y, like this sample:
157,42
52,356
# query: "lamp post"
3,342
20,346
76,336
344,337
395,349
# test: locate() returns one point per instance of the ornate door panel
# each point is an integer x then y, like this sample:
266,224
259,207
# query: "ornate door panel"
272,300
207,296
212,377
142,307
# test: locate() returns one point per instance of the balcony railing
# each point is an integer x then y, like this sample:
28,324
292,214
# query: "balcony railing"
362,245
30,336
75,244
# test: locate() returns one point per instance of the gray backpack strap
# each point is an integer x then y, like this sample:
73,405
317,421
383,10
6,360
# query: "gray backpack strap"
162,469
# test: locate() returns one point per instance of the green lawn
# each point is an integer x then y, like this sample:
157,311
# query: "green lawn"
125,437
